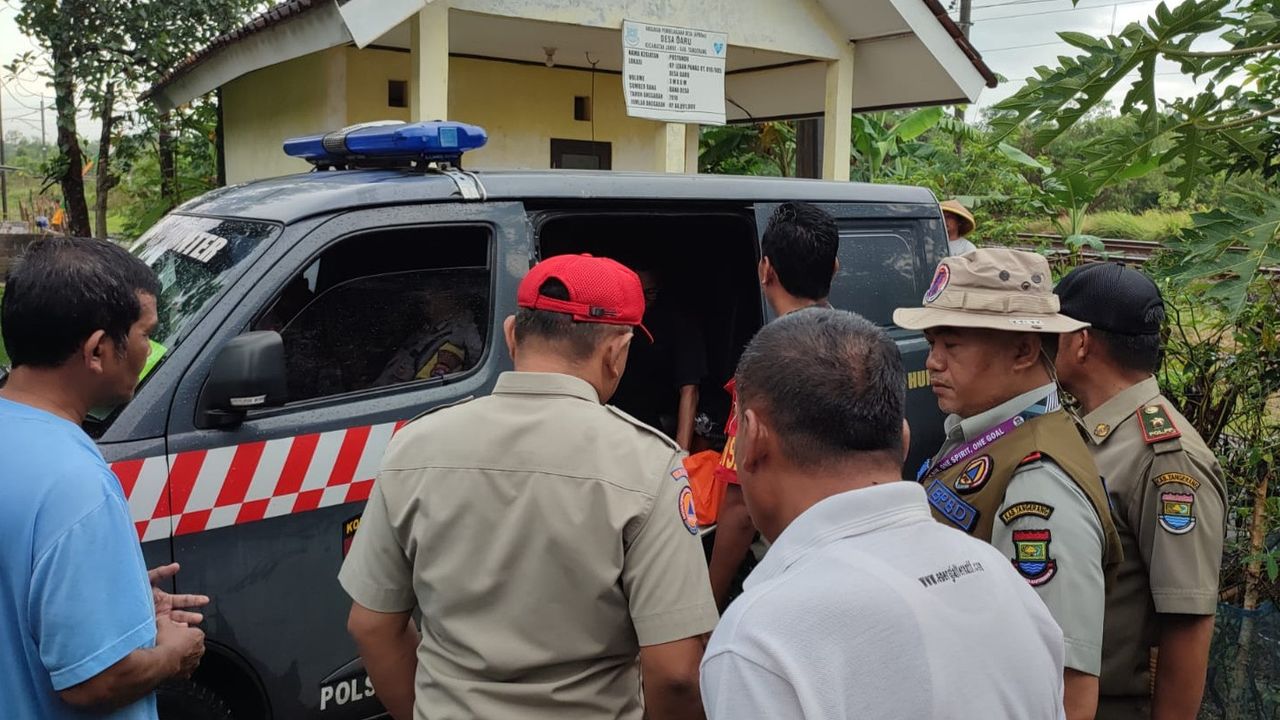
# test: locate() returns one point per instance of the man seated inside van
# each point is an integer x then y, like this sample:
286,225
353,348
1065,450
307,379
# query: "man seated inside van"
660,384
448,342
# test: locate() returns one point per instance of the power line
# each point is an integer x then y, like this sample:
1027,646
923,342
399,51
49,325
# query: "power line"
15,99
1067,10
984,6
1024,47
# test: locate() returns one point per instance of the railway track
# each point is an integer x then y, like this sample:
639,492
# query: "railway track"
1132,252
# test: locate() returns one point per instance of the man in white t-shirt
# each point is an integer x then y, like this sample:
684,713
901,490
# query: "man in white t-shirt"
865,606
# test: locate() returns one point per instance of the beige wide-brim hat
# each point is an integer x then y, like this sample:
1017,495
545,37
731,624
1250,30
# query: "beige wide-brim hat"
961,213
993,288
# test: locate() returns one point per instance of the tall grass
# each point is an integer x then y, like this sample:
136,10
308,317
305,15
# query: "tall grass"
1153,225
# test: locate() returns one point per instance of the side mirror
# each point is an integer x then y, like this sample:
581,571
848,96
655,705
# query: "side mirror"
249,373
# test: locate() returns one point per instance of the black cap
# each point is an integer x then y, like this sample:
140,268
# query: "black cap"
1112,297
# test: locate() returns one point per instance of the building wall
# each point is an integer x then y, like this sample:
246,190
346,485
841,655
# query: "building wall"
523,107
260,110
368,72
800,27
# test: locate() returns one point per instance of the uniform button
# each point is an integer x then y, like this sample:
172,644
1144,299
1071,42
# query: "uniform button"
1102,430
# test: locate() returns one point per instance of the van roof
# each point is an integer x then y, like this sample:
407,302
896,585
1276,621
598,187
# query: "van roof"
293,197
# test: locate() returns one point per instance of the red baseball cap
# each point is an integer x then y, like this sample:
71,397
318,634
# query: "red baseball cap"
601,290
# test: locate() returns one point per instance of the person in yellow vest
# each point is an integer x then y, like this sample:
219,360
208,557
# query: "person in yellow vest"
1166,487
1013,470
960,223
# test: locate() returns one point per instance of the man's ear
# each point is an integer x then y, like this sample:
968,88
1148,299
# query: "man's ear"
509,332
906,439
765,271
835,269
1026,351
754,441
615,354
94,349
1084,346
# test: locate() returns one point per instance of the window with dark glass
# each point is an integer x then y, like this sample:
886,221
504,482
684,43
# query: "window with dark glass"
385,308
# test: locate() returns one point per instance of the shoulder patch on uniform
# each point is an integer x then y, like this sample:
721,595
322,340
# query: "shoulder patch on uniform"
688,511
1031,556
647,428
974,475
1156,425
1175,512
949,505
1179,478
438,408
1023,509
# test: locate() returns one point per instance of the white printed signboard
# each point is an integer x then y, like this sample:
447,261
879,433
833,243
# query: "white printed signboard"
674,74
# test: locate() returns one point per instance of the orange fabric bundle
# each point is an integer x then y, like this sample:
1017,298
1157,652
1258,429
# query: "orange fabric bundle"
707,492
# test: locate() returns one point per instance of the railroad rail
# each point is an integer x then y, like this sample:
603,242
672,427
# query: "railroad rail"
1131,252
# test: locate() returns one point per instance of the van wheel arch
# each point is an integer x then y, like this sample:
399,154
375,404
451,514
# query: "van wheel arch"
230,679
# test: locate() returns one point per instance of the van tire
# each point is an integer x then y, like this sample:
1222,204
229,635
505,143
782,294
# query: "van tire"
186,700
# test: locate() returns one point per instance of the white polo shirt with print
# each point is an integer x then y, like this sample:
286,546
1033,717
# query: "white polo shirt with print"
866,607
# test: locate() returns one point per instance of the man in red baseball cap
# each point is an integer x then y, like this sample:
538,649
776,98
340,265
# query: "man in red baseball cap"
546,538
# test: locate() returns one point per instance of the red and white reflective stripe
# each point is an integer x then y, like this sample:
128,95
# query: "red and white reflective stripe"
206,489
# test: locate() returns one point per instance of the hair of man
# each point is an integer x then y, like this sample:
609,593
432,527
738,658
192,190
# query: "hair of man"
578,340
1137,353
830,383
801,242
62,290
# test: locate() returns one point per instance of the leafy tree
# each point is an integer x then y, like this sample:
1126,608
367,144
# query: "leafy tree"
105,53
1226,359
767,148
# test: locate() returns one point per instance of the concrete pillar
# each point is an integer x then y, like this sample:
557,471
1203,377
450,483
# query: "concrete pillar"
809,147
669,148
691,134
837,117
429,63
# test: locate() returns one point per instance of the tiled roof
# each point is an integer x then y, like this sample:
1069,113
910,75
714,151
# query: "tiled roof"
269,18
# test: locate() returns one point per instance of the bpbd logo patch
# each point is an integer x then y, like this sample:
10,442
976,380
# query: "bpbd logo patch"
688,511
974,475
1175,512
1031,556
949,505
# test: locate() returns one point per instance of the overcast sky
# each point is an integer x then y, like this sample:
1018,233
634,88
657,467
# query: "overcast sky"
1013,36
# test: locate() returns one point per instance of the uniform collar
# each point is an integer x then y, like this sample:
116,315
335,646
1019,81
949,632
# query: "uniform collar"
856,512
1102,422
531,383
960,429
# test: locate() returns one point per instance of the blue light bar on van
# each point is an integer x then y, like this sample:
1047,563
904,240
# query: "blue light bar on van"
388,141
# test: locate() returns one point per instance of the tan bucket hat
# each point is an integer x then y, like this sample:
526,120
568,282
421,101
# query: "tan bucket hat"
967,223
994,288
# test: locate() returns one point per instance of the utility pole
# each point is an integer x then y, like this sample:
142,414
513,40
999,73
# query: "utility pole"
966,14
44,152
4,174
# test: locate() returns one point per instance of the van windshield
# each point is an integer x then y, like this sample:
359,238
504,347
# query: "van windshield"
195,259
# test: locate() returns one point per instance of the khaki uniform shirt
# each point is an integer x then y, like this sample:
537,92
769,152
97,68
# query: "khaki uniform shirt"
545,538
1075,591
1168,500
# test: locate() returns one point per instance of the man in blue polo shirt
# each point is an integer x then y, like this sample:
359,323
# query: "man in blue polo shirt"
82,633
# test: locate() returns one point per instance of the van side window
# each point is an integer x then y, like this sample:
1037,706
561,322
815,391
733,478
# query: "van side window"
877,273
384,308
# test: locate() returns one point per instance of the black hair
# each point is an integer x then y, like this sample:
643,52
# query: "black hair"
1139,353
62,290
831,382
580,339
801,241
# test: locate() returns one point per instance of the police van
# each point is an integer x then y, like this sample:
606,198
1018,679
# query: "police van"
306,319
